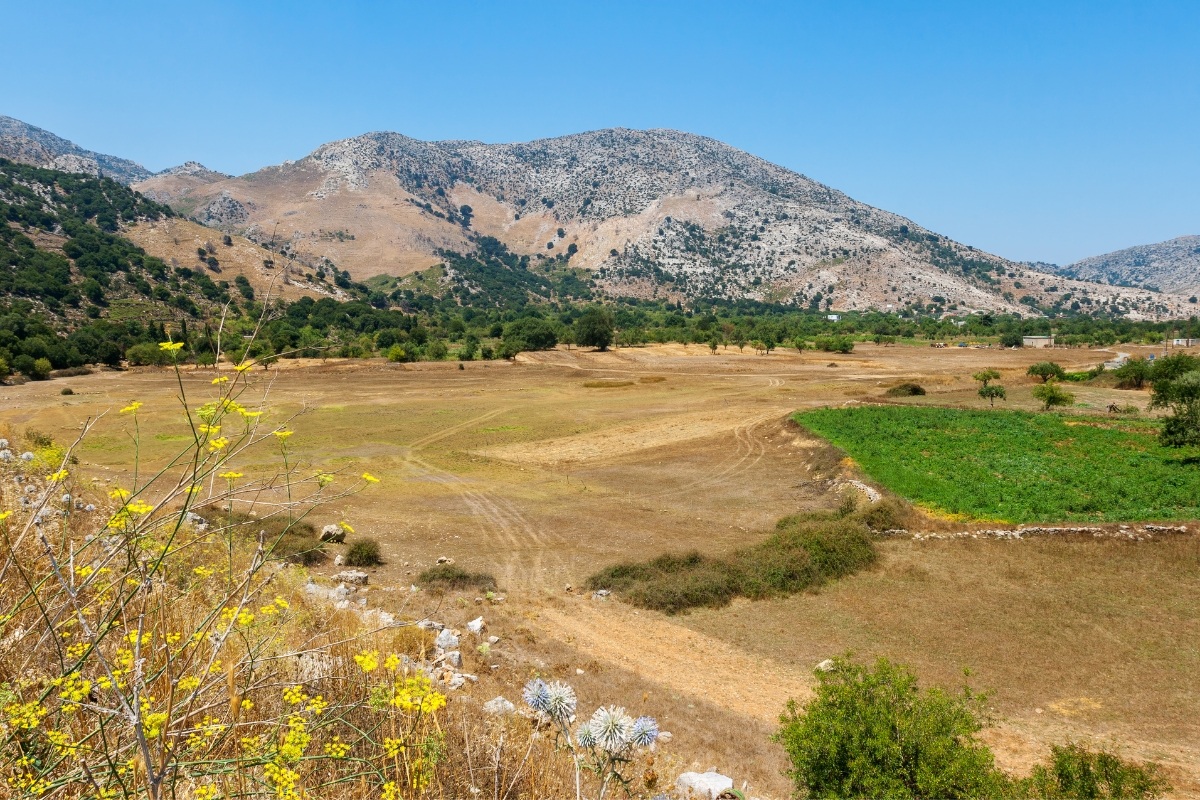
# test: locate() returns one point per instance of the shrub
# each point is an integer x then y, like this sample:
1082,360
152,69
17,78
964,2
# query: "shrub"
871,732
1075,771
141,355
39,370
908,389
1133,374
449,576
1051,394
835,344
804,552
363,553
67,390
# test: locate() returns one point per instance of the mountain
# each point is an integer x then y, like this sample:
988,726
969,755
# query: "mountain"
27,144
654,213
1170,266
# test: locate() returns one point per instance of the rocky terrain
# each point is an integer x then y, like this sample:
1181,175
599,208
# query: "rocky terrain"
28,144
651,214
1170,266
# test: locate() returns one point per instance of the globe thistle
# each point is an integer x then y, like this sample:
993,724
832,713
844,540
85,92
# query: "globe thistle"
612,727
537,695
645,731
560,702
585,737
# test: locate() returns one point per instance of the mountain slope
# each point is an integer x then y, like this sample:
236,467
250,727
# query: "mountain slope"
1170,266
28,144
654,213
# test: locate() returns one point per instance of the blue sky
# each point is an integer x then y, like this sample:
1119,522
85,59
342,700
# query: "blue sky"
1035,130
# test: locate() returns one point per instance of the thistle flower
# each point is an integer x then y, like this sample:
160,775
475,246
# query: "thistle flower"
612,727
645,731
537,695
554,702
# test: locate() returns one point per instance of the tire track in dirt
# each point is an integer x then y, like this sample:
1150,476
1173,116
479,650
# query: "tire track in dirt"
744,436
678,658
453,429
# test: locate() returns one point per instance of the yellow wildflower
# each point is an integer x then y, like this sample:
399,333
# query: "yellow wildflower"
282,434
212,430
206,792
324,479
392,663
222,379
119,494
61,475
131,408
245,365
368,660
369,478
248,415
345,526
5,515
202,572
231,475
390,791
24,716
188,683
153,724
336,748
294,695
219,443
246,704
170,347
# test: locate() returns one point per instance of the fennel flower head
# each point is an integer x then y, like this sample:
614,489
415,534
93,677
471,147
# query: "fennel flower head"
553,702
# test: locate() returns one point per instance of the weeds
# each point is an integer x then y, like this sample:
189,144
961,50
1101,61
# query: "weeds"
363,553
449,576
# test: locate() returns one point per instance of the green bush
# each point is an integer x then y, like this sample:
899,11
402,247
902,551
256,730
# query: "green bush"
146,355
804,552
448,576
871,732
1133,374
1075,771
363,553
906,390
1051,394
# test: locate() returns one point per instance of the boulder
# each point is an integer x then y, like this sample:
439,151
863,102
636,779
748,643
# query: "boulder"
354,577
454,659
703,785
446,639
499,707
476,626
334,534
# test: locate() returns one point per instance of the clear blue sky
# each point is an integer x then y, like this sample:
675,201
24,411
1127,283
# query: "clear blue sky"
1035,130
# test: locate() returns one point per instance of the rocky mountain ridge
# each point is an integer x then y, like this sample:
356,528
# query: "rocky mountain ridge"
1170,266
29,144
651,214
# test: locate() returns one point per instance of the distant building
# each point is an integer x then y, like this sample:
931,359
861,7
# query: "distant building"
1184,342
1038,341
833,317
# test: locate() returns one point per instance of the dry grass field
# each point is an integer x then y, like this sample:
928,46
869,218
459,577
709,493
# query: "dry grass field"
545,470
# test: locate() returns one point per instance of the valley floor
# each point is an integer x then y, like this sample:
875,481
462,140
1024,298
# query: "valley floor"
544,470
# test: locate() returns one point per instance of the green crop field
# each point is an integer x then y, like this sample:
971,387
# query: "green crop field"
1014,466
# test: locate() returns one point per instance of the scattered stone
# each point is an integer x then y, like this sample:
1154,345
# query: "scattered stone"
826,666
568,589
27,456
578,671
354,577
430,625
445,560
476,626
499,707
454,659
339,560
493,640
333,534
456,682
446,639
706,785
601,594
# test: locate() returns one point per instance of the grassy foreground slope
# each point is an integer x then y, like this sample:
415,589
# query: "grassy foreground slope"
1014,466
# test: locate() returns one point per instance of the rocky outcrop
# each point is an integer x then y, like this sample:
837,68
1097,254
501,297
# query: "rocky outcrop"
30,144
223,212
1171,266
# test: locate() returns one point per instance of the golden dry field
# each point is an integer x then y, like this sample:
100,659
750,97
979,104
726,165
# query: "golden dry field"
545,470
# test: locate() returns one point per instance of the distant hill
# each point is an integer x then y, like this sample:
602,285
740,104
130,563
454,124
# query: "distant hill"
28,144
1170,266
649,214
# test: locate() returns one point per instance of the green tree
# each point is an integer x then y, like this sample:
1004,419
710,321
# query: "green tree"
986,377
1075,771
1181,428
594,328
992,393
872,732
1046,370
1051,394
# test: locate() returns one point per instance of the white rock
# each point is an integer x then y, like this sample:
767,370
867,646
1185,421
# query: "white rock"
476,625
334,534
339,560
499,706
445,560
826,666
706,785
352,576
27,456
493,640
446,639
457,682
454,658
